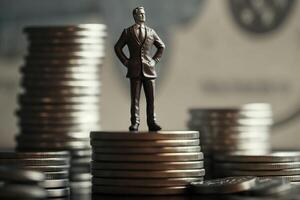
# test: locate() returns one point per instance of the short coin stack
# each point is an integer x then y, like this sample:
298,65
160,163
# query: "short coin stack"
60,101
53,165
145,163
244,130
16,184
285,165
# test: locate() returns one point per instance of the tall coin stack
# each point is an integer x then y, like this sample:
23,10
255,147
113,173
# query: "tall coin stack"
145,163
60,101
243,130
53,165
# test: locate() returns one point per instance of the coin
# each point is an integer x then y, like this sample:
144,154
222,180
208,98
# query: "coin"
146,166
280,156
17,191
23,100
62,76
155,143
63,68
161,135
283,172
47,114
87,127
63,145
63,174
224,185
9,174
72,28
145,182
162,157
146,150
80,177
60,108
72,61
60,83
55,183
138,190
269,186
58,192
52,136
33,155
47,168
149,174
36,161
258,166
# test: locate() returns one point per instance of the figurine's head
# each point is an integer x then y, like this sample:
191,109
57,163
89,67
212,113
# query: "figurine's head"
139,15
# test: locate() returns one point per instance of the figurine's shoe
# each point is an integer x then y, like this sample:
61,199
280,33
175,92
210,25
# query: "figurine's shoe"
154,127
134,127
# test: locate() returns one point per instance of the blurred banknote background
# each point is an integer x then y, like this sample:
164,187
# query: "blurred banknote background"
219,53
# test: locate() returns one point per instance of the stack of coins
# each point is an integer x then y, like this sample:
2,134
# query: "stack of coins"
53,165
145,163
60,101
284,165
21,184
244,130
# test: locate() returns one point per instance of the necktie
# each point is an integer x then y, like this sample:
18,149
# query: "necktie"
141,37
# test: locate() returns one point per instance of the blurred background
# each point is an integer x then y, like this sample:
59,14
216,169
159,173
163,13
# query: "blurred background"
219,53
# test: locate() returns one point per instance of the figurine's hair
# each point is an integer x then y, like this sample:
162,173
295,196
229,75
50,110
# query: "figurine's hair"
136,9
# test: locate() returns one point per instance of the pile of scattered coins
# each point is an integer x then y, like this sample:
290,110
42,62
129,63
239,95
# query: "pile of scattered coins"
60,101
145,163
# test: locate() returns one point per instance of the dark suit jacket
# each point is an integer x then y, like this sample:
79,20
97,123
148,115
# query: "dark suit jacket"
140,60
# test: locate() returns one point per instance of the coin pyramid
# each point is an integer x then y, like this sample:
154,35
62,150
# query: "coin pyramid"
145,163
60,99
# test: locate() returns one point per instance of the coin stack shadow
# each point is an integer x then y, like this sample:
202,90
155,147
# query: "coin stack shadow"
243,130
53,165
145,163
60,101
278,164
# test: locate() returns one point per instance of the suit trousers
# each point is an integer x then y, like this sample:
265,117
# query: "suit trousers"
135,91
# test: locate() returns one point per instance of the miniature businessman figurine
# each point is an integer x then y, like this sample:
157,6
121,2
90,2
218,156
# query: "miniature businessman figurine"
140,66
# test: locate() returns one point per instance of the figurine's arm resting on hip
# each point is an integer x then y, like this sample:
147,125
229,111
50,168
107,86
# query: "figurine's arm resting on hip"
119,48
160,47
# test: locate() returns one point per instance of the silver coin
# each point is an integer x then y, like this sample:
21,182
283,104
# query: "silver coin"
161,135
58,100
138,190
146,150
60,108
258,166
149,174
64,145
81,153
80,185
58,192
55,183
62,68
237,122
33,155
63,174
18,191
64,41
280,156
72,28
230,114
290,178
224,185
60,83
87,127
47,168
145,182
80,177
61,76
35,161
55,136
69,48
9,174
47,114
147,166
60,62
269,186
58,121
81,161
68,55
95,35
161,157
47,138
284,172
155,143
